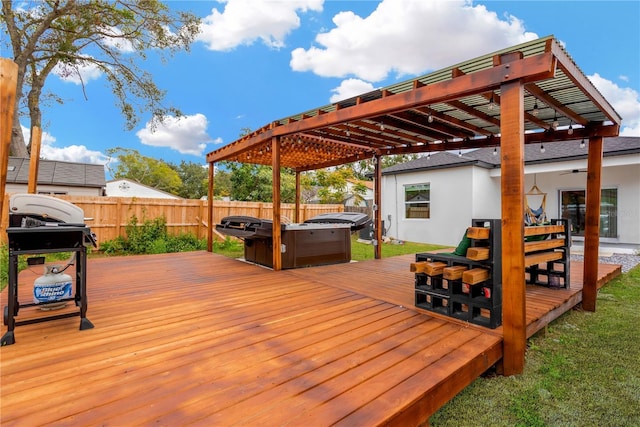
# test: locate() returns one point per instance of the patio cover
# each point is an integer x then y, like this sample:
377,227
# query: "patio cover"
532,93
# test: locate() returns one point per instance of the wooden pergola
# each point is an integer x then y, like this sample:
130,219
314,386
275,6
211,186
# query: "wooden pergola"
533,93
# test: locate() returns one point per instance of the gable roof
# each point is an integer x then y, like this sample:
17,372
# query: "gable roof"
124,187
55,172
485,157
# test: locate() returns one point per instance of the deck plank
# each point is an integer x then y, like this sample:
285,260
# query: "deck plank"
196,337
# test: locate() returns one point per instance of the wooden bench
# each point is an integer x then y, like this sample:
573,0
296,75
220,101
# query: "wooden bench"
551,250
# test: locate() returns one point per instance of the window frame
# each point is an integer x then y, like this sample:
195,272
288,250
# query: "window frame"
609,228
427,203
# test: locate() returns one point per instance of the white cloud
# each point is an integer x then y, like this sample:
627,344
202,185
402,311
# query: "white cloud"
185,134
245,21
408,37
349,88
71,153
79,73
625,101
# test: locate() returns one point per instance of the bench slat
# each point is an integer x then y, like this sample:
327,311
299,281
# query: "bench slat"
543,229
543,245
535,259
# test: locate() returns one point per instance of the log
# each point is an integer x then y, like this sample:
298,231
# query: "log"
454,272
478,232
478,253
417,267
435,268
475,275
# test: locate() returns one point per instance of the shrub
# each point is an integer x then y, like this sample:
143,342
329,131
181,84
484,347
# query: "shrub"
151,237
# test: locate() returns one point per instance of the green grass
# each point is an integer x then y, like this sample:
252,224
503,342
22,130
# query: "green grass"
363,251
583,371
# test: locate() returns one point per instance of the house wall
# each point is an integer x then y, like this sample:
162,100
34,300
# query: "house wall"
451,206
460,194
486,195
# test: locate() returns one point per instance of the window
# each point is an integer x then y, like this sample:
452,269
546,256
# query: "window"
417,201
573,208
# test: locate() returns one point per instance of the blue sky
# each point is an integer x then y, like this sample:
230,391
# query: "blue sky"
260,60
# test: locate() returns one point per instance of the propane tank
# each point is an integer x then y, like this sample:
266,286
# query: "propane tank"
52,286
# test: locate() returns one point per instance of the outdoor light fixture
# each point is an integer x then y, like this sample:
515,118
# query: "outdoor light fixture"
542,150
495,151
570,131
460,153
555,123
492,103
381,126
536,110
582,144
429,156
430,116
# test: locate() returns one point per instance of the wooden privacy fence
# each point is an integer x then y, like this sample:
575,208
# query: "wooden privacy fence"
109,216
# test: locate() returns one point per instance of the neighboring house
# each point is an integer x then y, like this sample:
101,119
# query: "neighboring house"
364,200
434,198
128,188
56,177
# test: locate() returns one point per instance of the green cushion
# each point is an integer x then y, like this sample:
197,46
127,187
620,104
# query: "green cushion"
464,244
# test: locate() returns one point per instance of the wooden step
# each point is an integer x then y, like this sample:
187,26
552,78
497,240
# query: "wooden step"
475,275
454,272
478,253
430,268
478,232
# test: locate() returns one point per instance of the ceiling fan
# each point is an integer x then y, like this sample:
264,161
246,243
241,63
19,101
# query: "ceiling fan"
574,171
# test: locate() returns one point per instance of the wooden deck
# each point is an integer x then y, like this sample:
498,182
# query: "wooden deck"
199,338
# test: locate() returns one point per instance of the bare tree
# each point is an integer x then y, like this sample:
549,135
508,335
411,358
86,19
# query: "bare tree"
67,36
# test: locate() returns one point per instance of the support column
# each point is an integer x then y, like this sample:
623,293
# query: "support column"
377,213
512,180
592,224
34,161
296,215
210,208
277,235
8,87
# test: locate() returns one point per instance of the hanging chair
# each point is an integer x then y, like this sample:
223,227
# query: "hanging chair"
535,216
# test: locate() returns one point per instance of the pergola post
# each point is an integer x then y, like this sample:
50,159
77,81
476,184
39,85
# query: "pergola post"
34,161
592,224
277,233
210,209
296,213
377,212
8,87
513,274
